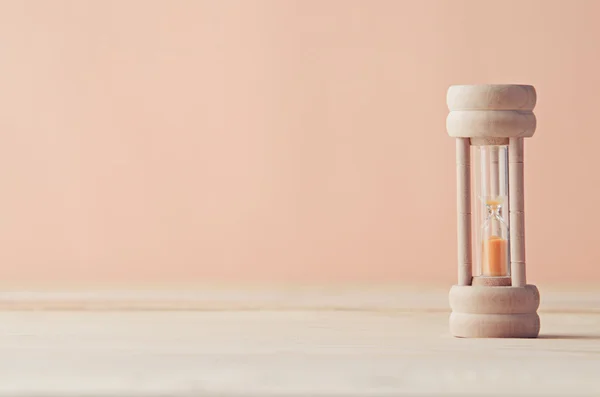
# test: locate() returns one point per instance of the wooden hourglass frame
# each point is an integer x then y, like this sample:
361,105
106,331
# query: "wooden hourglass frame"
491,121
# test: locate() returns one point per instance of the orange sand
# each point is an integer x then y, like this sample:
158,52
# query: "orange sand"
495,257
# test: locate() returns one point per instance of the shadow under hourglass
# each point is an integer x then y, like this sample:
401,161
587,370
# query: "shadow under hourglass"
570,336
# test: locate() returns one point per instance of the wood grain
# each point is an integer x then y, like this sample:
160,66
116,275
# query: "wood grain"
463,203
517,212
491,124
468,325
491,97
494,300
491,281
289,353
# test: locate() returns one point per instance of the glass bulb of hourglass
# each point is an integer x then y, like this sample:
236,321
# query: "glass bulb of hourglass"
494,238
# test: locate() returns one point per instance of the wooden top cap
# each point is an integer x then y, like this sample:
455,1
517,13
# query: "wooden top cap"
491,97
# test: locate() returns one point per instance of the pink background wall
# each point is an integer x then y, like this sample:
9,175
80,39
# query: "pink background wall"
302,141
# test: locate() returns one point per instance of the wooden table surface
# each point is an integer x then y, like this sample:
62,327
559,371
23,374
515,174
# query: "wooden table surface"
329,350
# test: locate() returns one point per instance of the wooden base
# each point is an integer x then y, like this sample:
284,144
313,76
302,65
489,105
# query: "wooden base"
494,312
488,281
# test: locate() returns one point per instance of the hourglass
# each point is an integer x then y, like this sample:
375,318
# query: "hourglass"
492,298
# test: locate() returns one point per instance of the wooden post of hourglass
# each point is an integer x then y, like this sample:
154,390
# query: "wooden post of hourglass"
517,212
463,189
485,115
